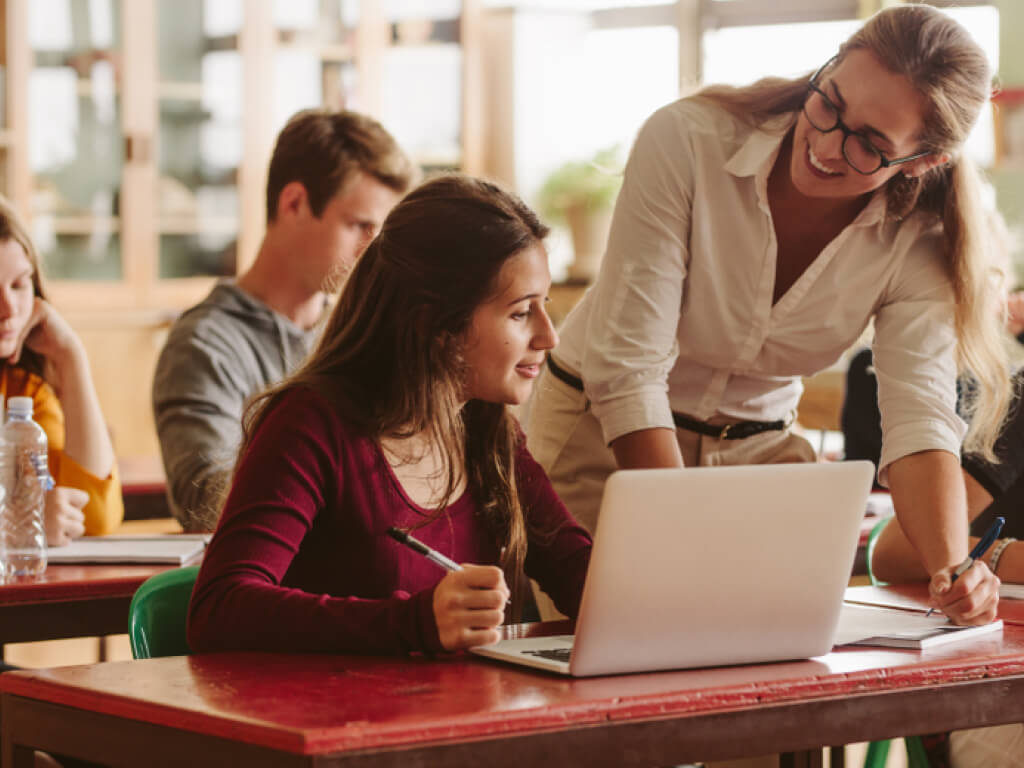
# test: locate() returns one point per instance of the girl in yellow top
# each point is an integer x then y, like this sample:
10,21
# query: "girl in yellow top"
42,357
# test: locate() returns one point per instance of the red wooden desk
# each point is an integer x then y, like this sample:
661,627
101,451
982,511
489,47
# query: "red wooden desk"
71,601
296,710
144,487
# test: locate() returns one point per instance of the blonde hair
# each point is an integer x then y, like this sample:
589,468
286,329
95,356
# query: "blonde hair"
950,71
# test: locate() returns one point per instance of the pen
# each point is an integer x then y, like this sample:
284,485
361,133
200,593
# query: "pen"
418,546
979,549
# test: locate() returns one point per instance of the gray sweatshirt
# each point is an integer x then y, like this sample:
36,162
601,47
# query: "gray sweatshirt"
219,354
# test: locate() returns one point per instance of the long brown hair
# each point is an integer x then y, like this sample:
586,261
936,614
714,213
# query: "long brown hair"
390,359
13,228
945,65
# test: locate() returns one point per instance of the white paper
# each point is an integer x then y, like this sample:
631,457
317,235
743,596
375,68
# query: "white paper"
1011,591
173,549
858,623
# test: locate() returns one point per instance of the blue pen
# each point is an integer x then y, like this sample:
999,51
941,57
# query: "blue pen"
979,549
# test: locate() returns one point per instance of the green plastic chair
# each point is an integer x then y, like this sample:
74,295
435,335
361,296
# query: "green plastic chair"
878,751
156,617
869,549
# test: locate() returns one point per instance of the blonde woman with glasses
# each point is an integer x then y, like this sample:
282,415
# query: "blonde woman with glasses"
758,232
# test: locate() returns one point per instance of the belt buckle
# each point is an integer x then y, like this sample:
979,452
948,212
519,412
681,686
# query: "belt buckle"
724,434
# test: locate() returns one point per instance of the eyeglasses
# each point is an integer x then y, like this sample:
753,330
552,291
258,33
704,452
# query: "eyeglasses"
861,155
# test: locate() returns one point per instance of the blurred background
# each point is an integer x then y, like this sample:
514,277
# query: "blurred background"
135,134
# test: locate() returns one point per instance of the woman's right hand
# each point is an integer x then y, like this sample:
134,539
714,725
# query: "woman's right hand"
64,518
469,606
972,599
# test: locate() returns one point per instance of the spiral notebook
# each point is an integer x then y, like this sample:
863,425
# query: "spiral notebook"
172,549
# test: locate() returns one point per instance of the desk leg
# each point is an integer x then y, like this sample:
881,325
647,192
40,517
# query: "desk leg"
808,759
12,754
24,757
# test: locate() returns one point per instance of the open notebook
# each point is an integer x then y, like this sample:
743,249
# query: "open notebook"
910,597
898,628
173,549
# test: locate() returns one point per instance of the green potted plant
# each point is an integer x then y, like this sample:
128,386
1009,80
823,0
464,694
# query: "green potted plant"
581,194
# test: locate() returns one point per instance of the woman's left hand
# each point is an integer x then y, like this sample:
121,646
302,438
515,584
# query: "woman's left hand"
972,599
64,519
46,332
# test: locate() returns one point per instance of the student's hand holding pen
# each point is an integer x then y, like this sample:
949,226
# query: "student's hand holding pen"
969,593
469,603
971,599
469,606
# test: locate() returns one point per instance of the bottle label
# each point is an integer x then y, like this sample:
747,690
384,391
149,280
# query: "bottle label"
42,470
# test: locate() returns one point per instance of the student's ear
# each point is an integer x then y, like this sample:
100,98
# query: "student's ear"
922,165
293,200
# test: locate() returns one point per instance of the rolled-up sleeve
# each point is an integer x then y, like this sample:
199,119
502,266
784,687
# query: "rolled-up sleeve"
631,336
915,359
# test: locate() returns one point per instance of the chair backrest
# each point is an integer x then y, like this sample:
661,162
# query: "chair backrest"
869,549
156,618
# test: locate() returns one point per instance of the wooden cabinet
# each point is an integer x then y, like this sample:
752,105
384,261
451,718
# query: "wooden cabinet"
135,136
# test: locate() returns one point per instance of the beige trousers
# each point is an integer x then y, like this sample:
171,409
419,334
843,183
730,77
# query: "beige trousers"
565,438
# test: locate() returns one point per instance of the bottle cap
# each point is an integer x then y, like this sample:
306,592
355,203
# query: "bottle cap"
21,406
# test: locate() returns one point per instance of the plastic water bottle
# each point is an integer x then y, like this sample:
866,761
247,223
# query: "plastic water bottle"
26,478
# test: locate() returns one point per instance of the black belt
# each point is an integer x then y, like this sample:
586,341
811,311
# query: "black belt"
736,431
563,375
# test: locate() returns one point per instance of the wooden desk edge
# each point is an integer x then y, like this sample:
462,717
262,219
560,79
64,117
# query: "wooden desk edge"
793,727
798,692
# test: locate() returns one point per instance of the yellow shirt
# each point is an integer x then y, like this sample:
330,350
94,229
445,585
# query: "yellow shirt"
105,509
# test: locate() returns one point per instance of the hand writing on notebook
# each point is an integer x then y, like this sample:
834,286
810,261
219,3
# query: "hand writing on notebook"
972,599
469,606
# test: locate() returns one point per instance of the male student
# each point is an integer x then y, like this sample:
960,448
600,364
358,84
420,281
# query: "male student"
333,178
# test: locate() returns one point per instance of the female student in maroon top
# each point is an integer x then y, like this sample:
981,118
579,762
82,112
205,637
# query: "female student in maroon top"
400,419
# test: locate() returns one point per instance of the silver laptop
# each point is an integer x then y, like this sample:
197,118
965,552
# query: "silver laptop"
711,566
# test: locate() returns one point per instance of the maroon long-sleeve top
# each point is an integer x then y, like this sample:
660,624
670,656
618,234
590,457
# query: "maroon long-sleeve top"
301,559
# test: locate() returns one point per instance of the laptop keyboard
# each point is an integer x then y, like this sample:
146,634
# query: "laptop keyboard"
553,654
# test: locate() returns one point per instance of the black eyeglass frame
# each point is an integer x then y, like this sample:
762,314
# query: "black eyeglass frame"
883,161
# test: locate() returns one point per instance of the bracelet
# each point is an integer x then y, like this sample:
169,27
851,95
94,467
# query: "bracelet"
993,562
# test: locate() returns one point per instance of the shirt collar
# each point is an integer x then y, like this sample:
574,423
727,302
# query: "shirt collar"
757,154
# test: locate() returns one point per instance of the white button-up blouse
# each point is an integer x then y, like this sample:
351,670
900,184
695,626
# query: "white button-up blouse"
681,316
